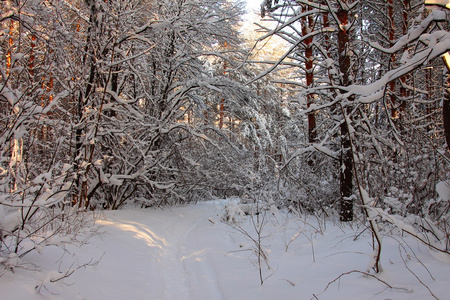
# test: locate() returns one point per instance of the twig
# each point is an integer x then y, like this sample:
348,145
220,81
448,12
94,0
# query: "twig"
420,262
312,246
357,236
68,273
287,280
414,274
365,274
293,238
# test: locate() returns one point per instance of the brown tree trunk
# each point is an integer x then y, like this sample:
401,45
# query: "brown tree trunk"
222,101
307,26
32,56
392,101
221,108
403,91
10,45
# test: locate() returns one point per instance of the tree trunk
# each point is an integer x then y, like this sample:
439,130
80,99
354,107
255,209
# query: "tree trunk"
221,108
307,24
446,110
80,190
346,161
392,101
10,46
403,91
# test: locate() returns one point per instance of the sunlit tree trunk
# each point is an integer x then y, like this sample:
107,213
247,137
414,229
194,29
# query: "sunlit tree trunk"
32,55
397,98
307,23
10,45
16,144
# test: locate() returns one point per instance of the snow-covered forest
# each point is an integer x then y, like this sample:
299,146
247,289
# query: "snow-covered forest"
245,148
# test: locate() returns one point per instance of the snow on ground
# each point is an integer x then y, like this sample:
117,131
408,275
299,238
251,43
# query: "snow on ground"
188,253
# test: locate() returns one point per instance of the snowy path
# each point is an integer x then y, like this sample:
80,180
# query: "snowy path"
170,241
186,253
159,254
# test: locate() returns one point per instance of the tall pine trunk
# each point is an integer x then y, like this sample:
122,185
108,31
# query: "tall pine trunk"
307,27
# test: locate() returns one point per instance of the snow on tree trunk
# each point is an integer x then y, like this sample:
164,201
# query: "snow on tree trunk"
307,23
446,110
346,162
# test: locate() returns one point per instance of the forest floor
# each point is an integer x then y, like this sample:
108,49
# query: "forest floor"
187,252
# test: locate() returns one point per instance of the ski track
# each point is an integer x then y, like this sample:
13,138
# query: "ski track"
203,279
175,274
187,272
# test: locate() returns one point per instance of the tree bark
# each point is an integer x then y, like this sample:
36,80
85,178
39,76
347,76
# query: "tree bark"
403,91
392,100
307,24
446,110
346,161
